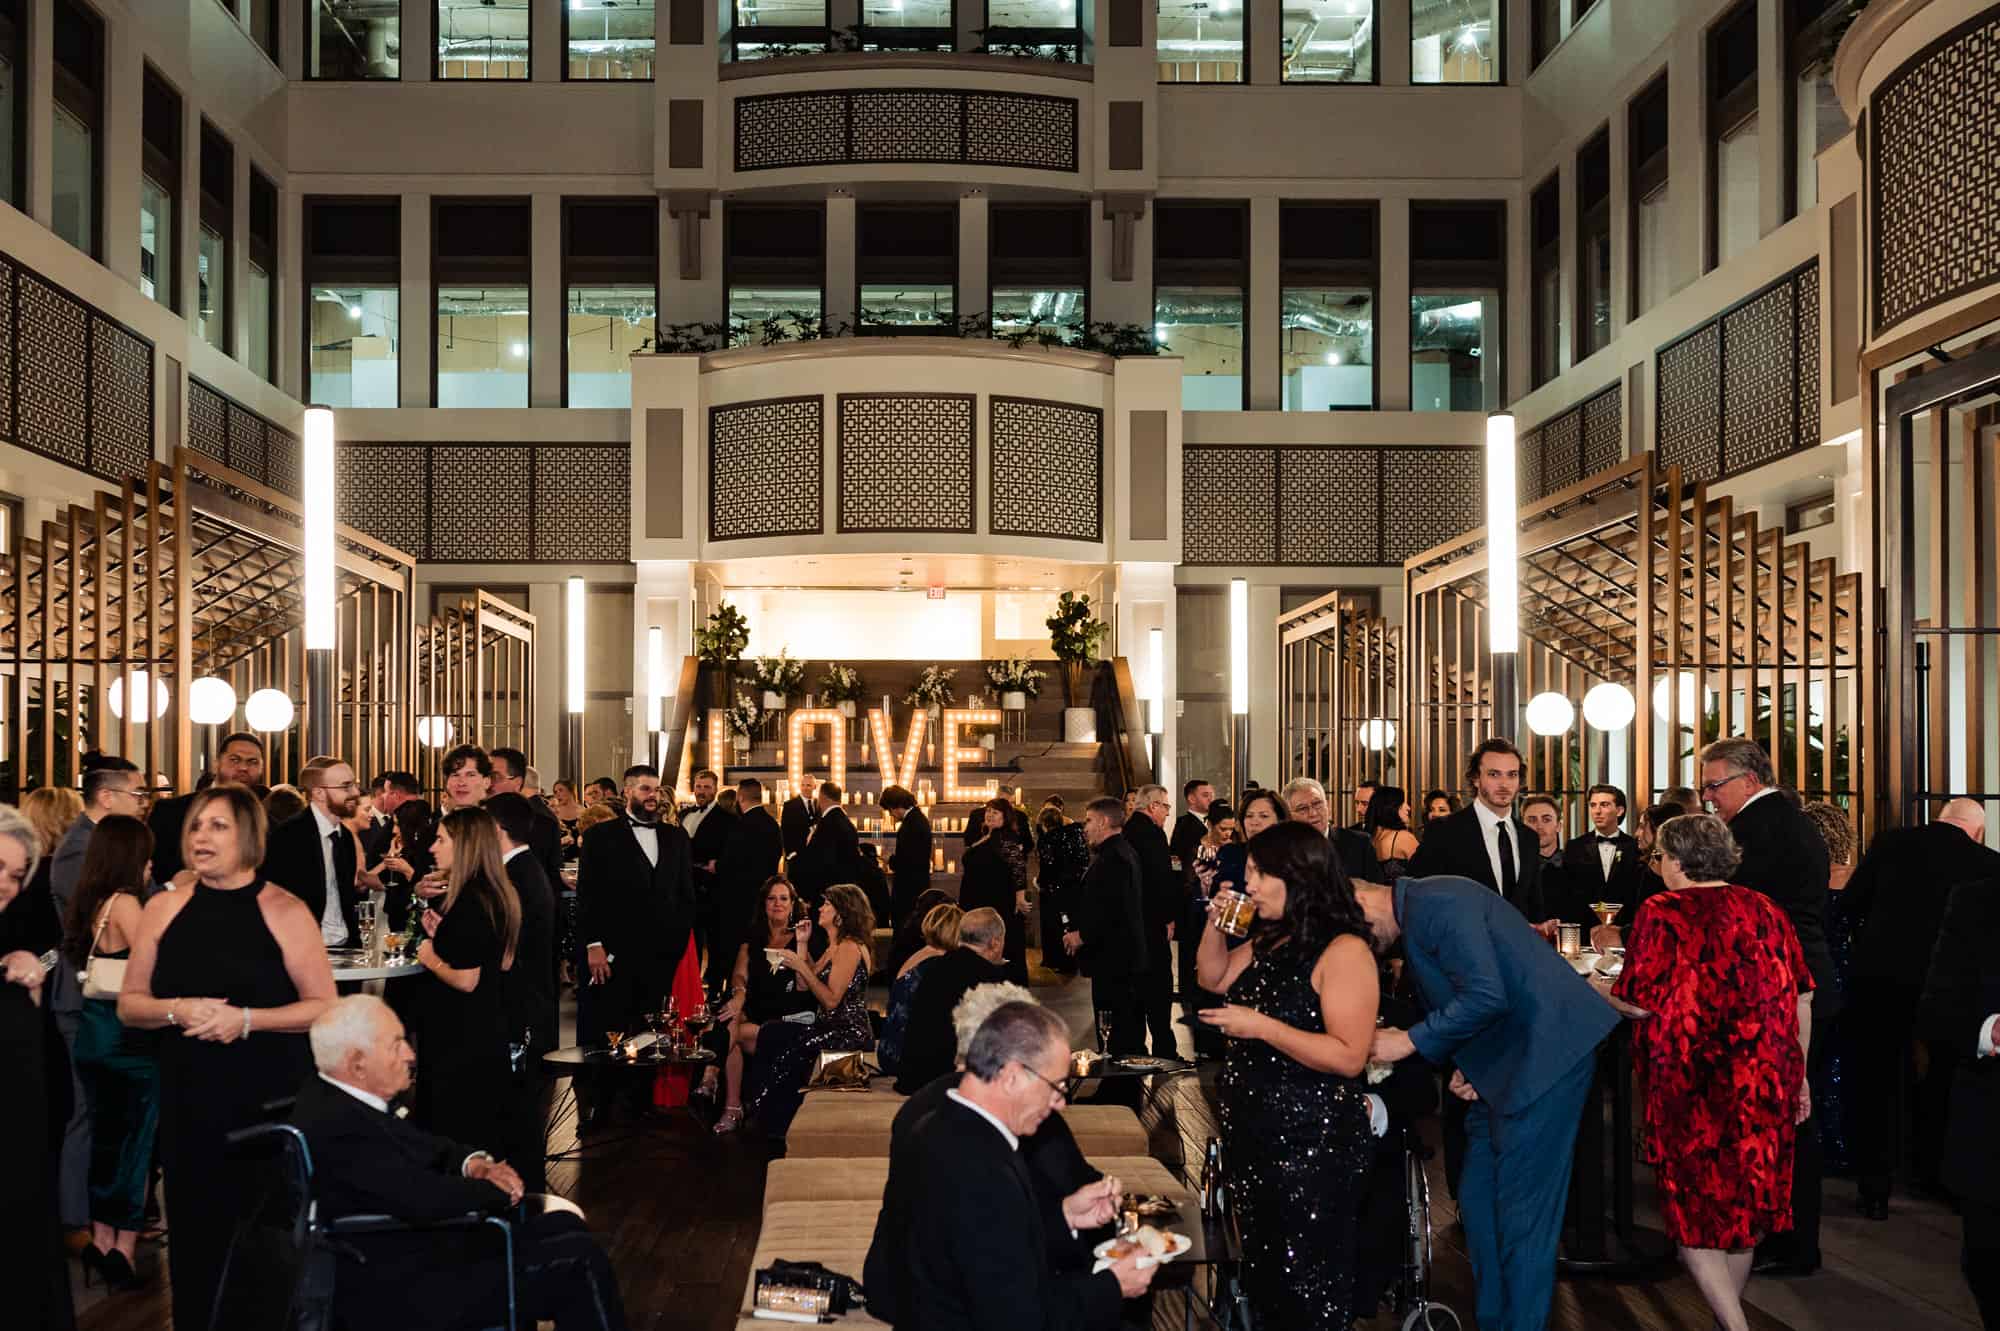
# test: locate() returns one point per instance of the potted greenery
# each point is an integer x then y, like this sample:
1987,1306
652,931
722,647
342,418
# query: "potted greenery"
780,677
841,686
718,644
1074,635
743,716
933,692
1017,682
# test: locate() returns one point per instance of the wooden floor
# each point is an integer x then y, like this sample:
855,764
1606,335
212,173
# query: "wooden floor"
679,1208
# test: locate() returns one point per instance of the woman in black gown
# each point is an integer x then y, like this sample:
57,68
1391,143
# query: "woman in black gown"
1295,1120
233,969
461,1026
996,877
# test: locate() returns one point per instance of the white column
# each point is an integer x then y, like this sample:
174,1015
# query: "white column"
41,111
545,603
1392,307
1392,43
417,38
1263,764
1266,28
975,280
124,77
840,290
1266,366
417,315
547,50
546,322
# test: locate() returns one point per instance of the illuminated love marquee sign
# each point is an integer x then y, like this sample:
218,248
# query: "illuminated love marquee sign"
897,769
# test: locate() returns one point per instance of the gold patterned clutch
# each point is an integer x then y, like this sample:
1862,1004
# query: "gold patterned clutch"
843,1070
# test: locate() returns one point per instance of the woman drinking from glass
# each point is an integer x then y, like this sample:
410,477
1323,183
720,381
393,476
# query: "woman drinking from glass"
759,991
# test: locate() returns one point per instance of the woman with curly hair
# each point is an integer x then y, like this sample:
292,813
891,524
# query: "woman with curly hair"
1295,1119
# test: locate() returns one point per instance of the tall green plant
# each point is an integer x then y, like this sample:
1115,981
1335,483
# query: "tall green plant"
1073,633
724,637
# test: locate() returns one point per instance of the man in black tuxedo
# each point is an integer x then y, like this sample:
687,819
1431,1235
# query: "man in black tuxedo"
1486,841
910,862
1897,900
930,1045
978,1253
752,854
1306,798
367,1160
1163,892
1785,858
1192,825
1565,896
635,910
797,819
510,777
1605,864
1109,939
312,854
707,825
528,990
833,852
1364,791
240,758
1958,1016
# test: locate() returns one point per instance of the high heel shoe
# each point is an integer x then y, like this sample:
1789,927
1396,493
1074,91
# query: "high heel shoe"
732,1119
91,1257
117,1271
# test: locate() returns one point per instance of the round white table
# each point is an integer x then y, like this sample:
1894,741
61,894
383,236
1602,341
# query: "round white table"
388,970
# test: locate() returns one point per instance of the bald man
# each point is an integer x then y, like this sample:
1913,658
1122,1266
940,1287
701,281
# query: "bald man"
1896,900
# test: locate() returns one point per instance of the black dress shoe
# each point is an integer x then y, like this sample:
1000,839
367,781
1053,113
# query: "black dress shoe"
117,1271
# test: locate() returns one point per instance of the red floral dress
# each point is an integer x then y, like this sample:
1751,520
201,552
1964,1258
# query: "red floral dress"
1719,1060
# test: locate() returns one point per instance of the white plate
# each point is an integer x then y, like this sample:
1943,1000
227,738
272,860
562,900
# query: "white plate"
1181,1244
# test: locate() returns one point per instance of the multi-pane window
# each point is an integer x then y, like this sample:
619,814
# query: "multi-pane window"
1545,309
218,231
1050,29
1458,282
1652,243
13,102
260,288
354,39
483,39
1457,42
1328,41
766,29
77,143
774,267
1039,268
352,261
1545,24
1734,224
1201,279
1818,121
1593,245
1202,41
608,39
159,190
611,276
907,25
481,279
1327,264
906,260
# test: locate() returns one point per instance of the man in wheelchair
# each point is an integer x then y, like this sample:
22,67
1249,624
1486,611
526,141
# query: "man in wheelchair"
1385,1270
367,1161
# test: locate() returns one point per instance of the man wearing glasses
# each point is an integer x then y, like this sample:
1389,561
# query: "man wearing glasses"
1785,858
312,853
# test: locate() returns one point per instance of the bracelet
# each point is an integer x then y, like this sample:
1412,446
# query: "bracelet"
172,1020
246,1023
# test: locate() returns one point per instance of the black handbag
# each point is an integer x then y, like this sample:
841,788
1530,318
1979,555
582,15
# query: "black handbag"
806,1288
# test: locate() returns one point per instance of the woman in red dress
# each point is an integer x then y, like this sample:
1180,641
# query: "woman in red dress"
1722,1003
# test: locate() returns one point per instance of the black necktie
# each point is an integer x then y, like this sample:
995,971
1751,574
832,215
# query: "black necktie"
1506,862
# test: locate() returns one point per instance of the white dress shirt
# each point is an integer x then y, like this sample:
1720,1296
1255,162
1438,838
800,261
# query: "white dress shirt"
648,837
1767,790
332,924
1607,851
1013,1142
1489,823
508,856
1986,1034
692,820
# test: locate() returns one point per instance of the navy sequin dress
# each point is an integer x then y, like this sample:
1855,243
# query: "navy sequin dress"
1299,1148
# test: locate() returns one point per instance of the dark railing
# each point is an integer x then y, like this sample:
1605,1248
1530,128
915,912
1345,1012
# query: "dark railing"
949,126
76,385
1576,442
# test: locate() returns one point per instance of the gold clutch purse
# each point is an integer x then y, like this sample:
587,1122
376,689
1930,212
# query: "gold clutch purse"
843,1070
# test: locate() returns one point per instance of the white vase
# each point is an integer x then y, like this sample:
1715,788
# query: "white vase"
773,702
847,709
1080,725
1014,702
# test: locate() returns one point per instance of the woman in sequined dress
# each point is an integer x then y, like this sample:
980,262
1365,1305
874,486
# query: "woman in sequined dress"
1295,1119
838,980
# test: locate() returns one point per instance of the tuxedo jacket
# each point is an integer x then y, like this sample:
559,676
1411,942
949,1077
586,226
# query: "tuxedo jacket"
978,1254
1456,847
833,855
641,912
711,837
797,819
545,841
1784,857
166,821
1585,863
1111,916
1963,990
1898,893
293,860
910,862
1161,890
1356,852
1189,829
930,1045
528,988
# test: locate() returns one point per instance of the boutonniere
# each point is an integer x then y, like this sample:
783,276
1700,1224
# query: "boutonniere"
402,1111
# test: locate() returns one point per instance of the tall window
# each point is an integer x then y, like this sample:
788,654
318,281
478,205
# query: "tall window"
1202,41
1545,310
1458,282
1456,43
1593,244
1051,29
774,267
352,261
1327,264
261,17
159,191
1733,224
907,25
1817,120
1328,41
611,295
1652,248
1040,269
354,39
481,275
762,31
482,39
1201,280
260,288
608,39
218,226
77,148
1545,20
14,102
906,258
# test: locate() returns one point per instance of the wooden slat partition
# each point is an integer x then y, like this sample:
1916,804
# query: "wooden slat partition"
1339,668
475,681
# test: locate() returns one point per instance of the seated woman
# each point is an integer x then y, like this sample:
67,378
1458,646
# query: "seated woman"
940,937
910,938
838,980
758,993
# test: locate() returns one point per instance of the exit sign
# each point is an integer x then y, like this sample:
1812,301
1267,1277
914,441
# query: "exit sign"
934,593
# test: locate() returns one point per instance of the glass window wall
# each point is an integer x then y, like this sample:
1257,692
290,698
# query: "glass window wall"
1734,224
1328,41
482,39
354,334
1329,348
257,319
13,102
1545,312
1455,43
607,324
1201,41
764,314
908,307
1047,29
156,241
767,29
1737,226
482,346
211,323
1821,124
609,39
1648,129
1034,311
1204,326
76,148
1454,338
74,151
907,25
354,39
1653,260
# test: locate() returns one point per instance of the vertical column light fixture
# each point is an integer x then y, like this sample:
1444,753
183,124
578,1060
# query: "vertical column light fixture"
573,633
1239,685
1503,571
656,692
321,633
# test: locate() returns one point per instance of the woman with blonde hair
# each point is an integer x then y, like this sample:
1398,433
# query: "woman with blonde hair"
940,939
50,811
838,982
462,1025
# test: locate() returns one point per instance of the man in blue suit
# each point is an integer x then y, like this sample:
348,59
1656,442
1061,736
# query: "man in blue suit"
1523,1029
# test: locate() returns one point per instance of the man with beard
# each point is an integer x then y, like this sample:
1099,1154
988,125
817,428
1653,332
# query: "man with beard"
312,854
240,759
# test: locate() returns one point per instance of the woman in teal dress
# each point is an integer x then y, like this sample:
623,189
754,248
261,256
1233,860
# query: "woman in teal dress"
120,1076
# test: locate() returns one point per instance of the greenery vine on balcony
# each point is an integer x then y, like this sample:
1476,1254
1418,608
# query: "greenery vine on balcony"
1111,339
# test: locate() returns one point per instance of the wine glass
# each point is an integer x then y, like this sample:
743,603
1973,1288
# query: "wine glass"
1103,1031
698,1020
